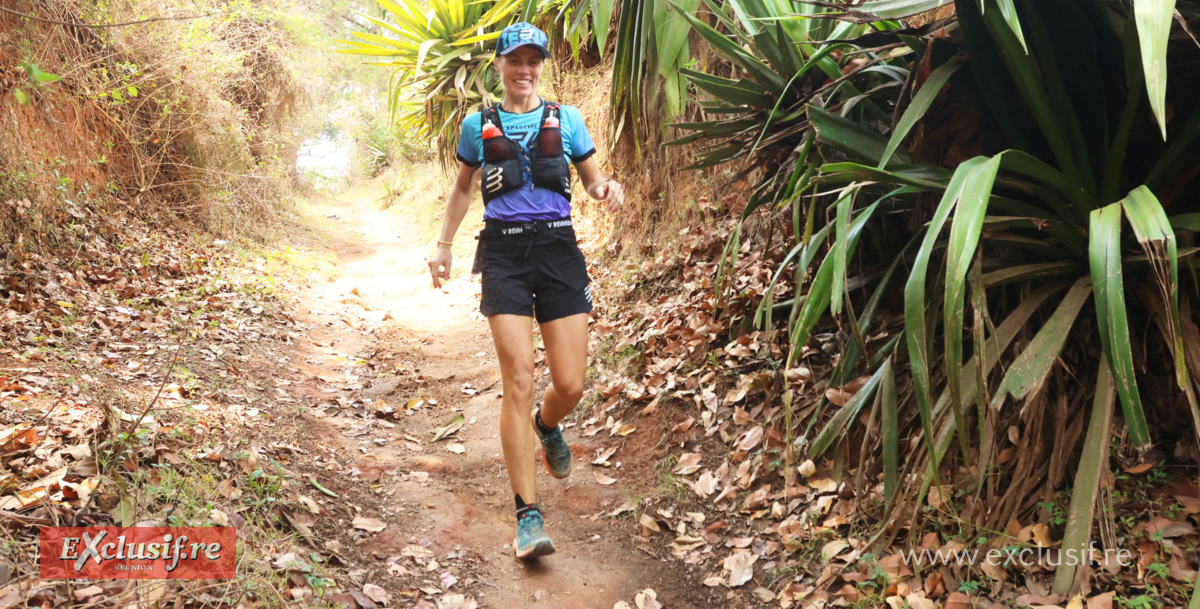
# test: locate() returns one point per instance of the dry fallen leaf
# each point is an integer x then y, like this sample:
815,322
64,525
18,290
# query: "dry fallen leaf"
1101,601
849,593
705,485
416,551
647,599
648,522
309,504
1140,468
373,525
1177,529
840,396
740,566
219,518
683,543
456,448
763,595
832,549
808,468
454,425
602,458
823,485
917,600
286,561
602,479
88,592
626,429
994,571
1041,535
957,600
457,601
684,426
1190,504
628,506
751,438
689,463
799,374
377,594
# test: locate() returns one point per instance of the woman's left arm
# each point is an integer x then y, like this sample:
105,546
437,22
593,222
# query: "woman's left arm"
598,186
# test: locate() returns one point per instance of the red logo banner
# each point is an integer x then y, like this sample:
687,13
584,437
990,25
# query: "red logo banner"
138,553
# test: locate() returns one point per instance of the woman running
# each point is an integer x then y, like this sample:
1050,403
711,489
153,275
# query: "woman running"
531,263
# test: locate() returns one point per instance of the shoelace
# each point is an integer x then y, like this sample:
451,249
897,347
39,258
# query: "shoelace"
528,523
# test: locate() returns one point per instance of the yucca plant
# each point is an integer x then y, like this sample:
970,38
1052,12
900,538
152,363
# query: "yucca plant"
777,61
1035,232
651,50
1055,210
572,22
440,53
762,108
783,58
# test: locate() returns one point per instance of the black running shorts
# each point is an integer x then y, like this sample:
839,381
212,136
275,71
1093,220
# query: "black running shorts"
533,269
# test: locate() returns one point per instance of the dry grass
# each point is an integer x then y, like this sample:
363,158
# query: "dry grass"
176,122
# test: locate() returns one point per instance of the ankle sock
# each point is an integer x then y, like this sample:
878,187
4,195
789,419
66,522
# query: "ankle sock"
532,507
520,502
537,419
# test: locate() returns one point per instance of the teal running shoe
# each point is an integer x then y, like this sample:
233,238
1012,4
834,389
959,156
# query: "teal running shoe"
532,540
555,452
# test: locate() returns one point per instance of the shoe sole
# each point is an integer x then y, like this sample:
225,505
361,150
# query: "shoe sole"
543,548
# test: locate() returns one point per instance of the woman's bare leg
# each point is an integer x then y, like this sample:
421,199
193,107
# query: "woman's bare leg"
566,341
513,336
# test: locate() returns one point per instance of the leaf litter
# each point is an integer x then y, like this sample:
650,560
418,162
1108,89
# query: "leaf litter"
125,382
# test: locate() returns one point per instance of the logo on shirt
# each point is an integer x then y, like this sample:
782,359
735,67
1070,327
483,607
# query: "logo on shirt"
520,134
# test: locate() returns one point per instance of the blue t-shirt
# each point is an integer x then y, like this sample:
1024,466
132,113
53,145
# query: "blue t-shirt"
527,203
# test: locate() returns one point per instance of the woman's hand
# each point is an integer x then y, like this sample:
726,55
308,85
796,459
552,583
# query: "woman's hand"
610,192
456,207
439,264
599,187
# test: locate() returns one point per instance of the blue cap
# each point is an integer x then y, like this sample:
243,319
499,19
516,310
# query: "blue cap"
522,34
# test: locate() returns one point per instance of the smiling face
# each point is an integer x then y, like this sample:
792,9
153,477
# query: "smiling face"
520,71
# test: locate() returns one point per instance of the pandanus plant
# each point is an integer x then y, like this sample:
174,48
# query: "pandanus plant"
440,55
1055,217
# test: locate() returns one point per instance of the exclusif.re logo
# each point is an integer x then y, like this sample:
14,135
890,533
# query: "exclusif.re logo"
138,552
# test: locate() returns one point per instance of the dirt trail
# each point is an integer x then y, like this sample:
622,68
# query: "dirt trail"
381,332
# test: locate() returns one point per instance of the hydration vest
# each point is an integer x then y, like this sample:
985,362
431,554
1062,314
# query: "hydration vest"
502,156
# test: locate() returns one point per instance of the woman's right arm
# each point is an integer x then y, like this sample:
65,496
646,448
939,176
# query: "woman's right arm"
456,207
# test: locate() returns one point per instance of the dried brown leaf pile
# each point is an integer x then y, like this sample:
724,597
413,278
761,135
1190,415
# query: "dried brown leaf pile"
112,346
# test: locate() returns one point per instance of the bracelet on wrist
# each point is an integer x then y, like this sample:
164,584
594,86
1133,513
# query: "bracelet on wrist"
440,242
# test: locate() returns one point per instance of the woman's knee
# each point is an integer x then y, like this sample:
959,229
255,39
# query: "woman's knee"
571,391
519,386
